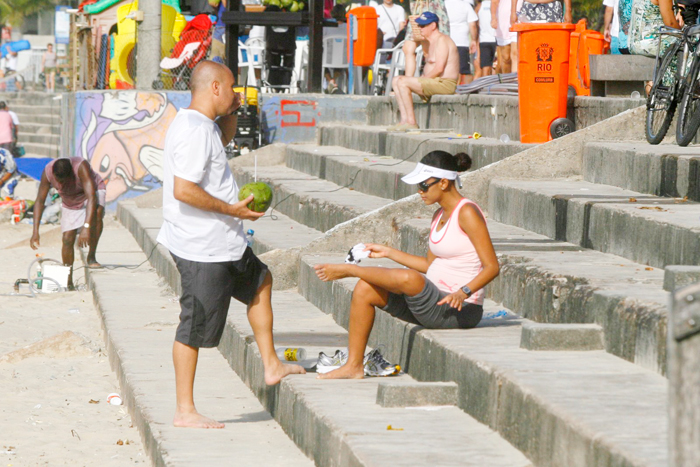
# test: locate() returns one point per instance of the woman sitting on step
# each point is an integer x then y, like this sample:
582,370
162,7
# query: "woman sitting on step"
441,291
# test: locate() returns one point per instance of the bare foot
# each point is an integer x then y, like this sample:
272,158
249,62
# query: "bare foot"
345,372
274,375
94,265
194,420
332,272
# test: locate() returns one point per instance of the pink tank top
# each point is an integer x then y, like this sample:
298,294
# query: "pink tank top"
456,263
73,194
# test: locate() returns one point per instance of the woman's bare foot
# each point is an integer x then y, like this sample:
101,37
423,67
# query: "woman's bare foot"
345,372
332,272
195,420
275,373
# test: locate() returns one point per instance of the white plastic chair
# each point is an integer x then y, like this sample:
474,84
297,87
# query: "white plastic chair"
397,63
301,66
255,47
335,56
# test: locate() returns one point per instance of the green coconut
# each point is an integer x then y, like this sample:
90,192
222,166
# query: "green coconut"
262,196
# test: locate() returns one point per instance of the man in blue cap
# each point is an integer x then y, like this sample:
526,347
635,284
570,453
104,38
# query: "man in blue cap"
440,73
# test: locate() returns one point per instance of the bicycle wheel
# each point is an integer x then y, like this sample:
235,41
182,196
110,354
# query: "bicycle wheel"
689,110
662,102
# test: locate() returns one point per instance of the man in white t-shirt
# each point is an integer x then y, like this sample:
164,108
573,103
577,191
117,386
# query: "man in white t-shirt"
612,24
203,230
463,31
392,19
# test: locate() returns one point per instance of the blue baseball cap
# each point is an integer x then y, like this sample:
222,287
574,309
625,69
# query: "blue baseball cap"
426,18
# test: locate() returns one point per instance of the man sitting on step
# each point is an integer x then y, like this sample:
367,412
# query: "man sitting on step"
440,73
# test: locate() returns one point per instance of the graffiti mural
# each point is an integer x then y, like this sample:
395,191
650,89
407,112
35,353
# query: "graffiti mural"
122,135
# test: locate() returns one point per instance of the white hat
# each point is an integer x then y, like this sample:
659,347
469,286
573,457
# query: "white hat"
423,172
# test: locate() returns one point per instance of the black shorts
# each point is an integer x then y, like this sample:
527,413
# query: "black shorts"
207,289
423,309
465,67
487,54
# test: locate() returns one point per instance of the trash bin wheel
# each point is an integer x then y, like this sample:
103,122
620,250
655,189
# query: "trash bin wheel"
561,127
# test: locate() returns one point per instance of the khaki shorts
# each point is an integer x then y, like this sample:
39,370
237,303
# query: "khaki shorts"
434,86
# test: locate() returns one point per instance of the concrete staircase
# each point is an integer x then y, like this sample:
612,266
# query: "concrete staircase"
39,114
572,375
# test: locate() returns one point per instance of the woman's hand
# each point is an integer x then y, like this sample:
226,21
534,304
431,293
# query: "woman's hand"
377,251
455,299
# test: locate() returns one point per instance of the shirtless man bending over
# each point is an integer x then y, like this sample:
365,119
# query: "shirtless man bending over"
440,73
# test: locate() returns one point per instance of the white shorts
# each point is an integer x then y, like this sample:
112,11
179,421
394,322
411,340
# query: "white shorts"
72,219
511,39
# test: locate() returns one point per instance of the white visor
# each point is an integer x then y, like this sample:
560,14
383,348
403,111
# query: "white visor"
423,172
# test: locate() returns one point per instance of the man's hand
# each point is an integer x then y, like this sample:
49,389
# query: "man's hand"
472,47
455,299
494,22
514,18
240,210
567,17
84,238
34,241
607,36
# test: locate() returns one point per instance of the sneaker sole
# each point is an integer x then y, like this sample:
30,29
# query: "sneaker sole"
326,369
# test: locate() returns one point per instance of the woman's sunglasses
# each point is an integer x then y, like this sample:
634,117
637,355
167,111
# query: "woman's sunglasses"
423,186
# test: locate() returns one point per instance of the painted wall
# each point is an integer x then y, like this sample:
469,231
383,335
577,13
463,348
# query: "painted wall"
122,133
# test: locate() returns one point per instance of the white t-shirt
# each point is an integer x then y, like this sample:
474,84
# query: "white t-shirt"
15,119
460,13
194,152
390,19
615,24
486,32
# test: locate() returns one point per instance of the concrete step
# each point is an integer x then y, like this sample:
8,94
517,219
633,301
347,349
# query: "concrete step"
551,281
340,422
139,329
311,201
413,146
576,409
643,228
28,137
33,109
661,170
40,118
40,128
41,149
369,174
28,97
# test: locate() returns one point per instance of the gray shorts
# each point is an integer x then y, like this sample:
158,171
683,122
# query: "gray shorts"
423,309
207,289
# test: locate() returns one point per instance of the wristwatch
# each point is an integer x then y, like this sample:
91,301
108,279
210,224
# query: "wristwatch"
86,225
467,291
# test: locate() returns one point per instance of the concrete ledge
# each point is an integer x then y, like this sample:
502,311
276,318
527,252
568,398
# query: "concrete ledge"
676,277
570,337
302,197
647,230
661,170
401,394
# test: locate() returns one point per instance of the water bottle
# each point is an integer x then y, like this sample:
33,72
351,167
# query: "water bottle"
504,138
291,354
249,237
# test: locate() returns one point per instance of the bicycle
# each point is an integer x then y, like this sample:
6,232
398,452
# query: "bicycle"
668,86
689,110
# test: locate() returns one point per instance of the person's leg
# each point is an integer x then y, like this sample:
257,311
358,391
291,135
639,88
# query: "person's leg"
186,415
504,58
52,81
95,234
513,57
399,97
405,87
409,50
68,253
394,280
365,298
260,319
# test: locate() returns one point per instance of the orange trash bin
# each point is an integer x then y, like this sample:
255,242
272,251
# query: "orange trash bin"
365,46
583,44
543,80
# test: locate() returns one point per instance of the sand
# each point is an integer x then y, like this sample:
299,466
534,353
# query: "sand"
54,374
